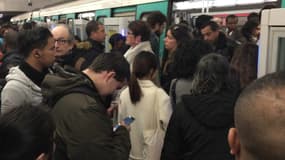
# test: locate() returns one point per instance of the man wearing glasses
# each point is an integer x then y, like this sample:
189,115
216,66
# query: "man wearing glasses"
64,42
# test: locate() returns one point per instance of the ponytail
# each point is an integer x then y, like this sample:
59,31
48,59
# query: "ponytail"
134,89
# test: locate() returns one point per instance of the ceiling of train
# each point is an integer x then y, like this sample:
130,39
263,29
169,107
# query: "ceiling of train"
27,5
10,8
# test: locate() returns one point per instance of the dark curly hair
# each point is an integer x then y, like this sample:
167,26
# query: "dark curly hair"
185,62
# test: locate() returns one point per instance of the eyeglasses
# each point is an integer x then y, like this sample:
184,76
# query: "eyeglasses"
130,33
62,41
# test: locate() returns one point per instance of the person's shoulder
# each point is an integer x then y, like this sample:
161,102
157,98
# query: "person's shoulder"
162,93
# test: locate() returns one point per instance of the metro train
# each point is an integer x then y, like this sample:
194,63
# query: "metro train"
76,13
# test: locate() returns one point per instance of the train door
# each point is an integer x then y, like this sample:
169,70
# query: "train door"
118,23
272,42
79,28
115,25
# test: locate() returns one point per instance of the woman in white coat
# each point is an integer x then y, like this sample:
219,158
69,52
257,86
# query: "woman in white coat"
149,105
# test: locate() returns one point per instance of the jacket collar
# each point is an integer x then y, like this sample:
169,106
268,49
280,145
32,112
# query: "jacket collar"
34,75
146,83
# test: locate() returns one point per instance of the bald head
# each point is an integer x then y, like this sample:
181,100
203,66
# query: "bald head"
64,39
260,119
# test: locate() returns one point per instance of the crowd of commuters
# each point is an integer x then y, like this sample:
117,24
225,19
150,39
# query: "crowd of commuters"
186,104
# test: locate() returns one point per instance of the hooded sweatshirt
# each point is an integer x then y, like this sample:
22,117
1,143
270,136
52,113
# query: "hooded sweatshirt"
19,90
199,126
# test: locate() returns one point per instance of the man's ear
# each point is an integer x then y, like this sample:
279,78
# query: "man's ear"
42,156
36,53
234,142
110,74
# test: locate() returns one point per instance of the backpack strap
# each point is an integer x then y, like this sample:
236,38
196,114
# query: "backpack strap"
173,93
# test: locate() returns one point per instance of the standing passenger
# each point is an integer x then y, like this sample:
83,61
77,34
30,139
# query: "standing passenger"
64,42
26,133
244,64
220,43
232,30
148,104
177,40
185,66
157,22
83,127
118,43
259,132
96,36
199,125
12,57
138,39
24,81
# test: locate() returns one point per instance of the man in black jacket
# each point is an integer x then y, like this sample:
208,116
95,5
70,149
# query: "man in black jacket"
96,36
219,41
259,131
83,127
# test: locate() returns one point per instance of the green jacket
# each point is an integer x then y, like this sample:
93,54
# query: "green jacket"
83,128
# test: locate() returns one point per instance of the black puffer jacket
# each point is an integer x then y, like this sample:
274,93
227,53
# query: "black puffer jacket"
90,54
225,46
199,126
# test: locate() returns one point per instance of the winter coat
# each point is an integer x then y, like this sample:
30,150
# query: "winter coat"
133,51
145,115
19,90
199,126
225,46
90,53
83,128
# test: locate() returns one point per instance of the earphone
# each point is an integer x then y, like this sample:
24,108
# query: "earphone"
37,55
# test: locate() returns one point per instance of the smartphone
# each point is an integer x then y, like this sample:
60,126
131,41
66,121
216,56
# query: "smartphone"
128,120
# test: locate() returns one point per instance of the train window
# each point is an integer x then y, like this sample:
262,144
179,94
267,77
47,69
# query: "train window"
144,15
101,18
281,56
88,15
124,14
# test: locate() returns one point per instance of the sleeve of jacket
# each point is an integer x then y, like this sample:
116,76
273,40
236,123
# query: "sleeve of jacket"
11,97
172,141
89,125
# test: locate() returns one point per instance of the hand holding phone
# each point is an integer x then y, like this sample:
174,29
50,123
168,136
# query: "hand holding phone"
127,121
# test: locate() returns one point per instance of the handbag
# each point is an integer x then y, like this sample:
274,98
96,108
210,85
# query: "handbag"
154,138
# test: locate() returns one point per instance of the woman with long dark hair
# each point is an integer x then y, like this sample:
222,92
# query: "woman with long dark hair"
244,64
185,65
148,104
199,124
176,41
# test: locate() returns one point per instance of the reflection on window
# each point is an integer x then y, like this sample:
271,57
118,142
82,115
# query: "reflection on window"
281,54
